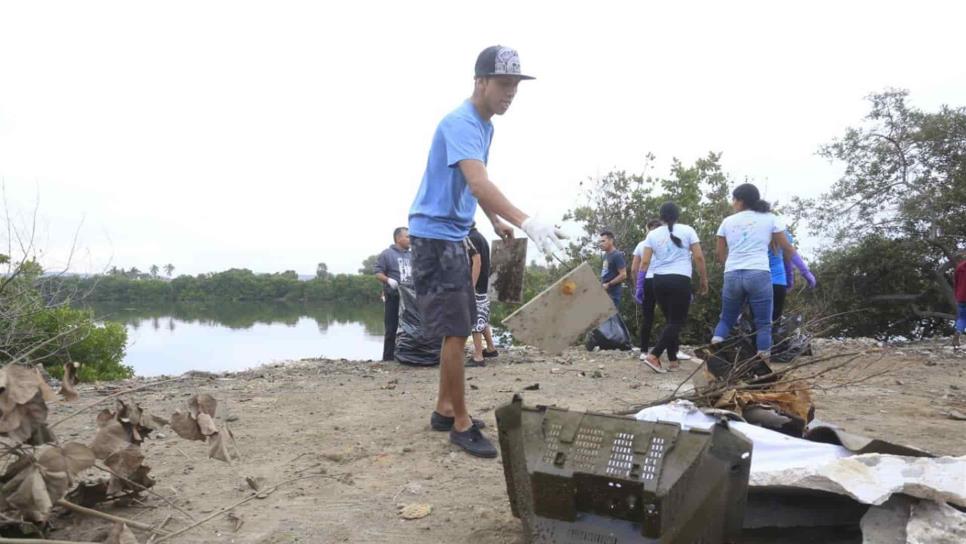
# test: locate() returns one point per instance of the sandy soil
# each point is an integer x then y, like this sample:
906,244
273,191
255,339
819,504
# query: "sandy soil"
366,425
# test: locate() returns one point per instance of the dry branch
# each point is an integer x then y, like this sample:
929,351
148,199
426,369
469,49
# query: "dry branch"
114,396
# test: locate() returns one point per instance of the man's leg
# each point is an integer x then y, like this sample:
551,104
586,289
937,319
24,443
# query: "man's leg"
477,346
391,322
451,400
647,314
488,336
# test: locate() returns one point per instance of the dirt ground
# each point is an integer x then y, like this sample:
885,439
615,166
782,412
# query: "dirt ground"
366,426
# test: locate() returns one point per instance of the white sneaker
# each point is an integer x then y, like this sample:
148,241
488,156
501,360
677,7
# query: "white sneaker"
643,356
683,356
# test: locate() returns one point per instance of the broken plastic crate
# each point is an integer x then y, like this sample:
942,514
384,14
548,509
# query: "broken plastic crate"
575,477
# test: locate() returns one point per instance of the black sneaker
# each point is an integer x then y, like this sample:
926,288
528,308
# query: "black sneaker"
473,442
473,363
490,354
440,422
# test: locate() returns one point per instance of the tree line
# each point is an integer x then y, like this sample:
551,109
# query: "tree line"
234,285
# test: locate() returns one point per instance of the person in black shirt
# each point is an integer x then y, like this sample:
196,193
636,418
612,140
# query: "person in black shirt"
481,281
394,266
614,271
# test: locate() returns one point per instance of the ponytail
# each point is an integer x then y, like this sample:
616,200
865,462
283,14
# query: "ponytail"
669,214
750,198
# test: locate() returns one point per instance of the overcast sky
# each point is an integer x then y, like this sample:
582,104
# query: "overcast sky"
274,135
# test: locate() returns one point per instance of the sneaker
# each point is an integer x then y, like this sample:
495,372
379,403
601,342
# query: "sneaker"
473,363
440,422
683,356
490,354
473,442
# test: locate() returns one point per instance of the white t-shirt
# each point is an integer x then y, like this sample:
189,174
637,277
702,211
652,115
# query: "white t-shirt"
748,234
669,258
639,253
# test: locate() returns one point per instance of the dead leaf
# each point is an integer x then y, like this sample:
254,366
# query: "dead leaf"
28,494
110,438
89,493
67,388
415,511
217,449
129,465
104,417
120,534
79,457
27,422
186,427
206,424
237,522
202,404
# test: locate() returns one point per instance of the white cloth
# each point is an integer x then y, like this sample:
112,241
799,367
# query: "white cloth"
773,451
668,258
639,253
748,235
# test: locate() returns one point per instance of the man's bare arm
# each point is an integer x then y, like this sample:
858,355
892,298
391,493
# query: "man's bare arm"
382,277
491,199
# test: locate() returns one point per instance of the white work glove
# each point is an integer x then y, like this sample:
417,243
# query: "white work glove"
545,235
393,284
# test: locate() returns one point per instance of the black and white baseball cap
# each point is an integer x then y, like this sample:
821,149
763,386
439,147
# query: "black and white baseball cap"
497,60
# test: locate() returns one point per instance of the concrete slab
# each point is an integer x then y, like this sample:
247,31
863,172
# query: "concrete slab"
555,318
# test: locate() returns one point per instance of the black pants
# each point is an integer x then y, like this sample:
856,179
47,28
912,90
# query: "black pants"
391,321
647,314
778,302
673,294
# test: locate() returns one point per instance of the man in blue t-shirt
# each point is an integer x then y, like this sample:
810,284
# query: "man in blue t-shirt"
454,182
614,271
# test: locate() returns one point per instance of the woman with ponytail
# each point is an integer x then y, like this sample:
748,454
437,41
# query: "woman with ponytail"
743,244
668,253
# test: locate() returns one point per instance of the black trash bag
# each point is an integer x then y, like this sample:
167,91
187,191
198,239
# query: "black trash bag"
789,340
611,334
412,346
741,348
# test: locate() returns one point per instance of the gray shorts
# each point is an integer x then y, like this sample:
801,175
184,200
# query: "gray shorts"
444,292
482,312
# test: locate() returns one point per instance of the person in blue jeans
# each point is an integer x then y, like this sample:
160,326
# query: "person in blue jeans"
743,242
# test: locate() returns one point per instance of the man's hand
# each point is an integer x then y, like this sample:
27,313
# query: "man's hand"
393,284
503,230
544,234
605,285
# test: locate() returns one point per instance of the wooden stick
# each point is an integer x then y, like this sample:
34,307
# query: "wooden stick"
98,514
160,527
255,495
113,396
142,488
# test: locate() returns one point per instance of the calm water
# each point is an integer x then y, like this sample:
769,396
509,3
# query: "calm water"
177,338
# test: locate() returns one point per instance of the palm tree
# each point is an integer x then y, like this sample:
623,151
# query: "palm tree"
168,270
154,270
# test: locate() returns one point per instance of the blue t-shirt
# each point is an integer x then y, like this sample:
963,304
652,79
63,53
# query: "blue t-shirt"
613,262
776,260
444,206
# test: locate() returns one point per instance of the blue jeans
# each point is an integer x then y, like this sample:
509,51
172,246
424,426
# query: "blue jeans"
754,288
961,317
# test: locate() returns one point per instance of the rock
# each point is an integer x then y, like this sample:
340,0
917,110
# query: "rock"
957,415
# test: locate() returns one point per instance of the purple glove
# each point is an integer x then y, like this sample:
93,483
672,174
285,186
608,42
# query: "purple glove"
803,269
639,289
